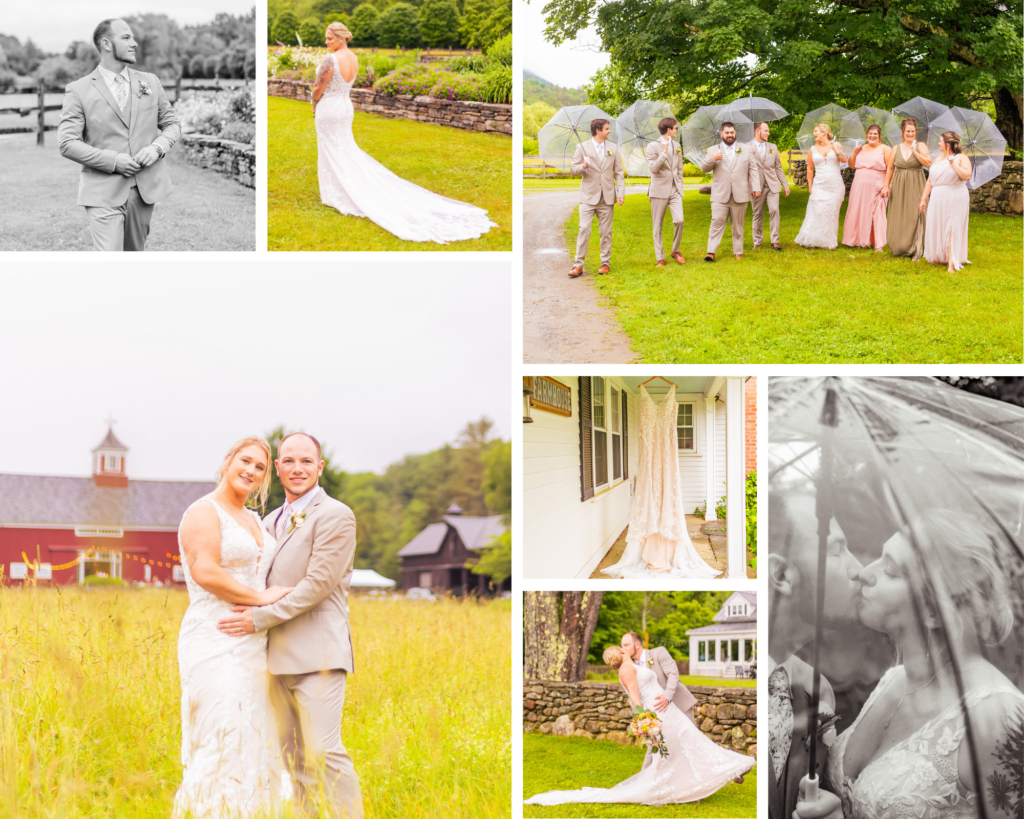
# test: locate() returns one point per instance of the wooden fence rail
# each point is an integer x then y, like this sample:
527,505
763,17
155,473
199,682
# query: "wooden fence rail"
555,173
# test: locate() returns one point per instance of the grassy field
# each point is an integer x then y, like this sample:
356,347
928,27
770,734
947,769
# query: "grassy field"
469,166
687,680
801,306
90,705
568,763
39,210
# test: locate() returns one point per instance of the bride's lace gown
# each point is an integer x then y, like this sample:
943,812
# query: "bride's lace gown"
356,184
657,533
917,777
821,222
229,745
694,769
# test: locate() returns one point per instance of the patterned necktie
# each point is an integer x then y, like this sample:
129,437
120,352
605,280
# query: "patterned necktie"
121,90
780,719
282,521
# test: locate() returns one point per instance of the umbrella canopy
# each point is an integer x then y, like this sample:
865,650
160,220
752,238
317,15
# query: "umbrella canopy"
980,141
569,127
756,109
637,127
924,111
868,116
845,128
700,131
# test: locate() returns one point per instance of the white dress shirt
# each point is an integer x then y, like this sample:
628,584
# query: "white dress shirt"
729,152
599,149
296,506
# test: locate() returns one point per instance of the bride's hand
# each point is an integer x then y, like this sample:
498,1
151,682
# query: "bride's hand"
273,594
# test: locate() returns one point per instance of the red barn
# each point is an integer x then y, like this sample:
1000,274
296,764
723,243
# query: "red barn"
104,525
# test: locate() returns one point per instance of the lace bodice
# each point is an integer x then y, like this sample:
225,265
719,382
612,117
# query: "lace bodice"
648,686
336,85
918,777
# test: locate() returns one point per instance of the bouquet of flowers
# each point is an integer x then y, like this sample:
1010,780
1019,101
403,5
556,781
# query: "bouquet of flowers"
646,727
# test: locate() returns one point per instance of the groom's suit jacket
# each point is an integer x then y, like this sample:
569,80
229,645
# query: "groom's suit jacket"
666,170
736,181
667,672
309,628
605,180
93,130
769,167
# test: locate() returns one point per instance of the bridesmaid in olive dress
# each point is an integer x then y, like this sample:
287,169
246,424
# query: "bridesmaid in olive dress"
904,184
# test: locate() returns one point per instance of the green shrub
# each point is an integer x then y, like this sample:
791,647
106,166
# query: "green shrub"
457,86
498,84
365,25
285,26
501,50
530,147
439,22
311,32
720,508
239,132
96,580
400,26
692,170
473,64
415,79
751,490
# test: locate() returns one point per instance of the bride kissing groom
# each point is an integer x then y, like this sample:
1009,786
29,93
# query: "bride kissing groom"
265,649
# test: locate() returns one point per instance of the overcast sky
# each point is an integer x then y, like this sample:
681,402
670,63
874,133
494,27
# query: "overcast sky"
380,361
570,64
55,24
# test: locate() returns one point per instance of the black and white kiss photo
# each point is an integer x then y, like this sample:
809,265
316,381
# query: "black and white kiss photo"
128,129
896,597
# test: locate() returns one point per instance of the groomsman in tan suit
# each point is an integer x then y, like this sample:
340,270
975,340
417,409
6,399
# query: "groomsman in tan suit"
666,188
309,645
118,125
773,179
604,185
734,181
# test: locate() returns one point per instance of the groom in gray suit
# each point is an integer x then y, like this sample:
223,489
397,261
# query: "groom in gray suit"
666,188
735,180
309,648
118,125
604,185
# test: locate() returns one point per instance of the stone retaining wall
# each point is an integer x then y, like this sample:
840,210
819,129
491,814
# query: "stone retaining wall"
469,116
596,710
234,160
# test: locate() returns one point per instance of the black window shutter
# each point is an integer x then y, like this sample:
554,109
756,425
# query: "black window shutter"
625,437
586,440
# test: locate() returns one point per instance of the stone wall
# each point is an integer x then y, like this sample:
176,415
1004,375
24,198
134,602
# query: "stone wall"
469,116
231,159
598,710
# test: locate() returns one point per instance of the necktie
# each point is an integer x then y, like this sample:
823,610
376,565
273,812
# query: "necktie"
121,89
780,719
282,521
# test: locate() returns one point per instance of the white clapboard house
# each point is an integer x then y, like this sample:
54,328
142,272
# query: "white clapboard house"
580,446
728,646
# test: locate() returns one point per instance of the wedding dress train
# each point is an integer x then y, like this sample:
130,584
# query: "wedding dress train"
229,744
657,524
694,769
820,227
356,184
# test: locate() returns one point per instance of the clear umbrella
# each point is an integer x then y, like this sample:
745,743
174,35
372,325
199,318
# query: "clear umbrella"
637,128
700,131
868,116
569,127
980,141
756,109
923,111
845,128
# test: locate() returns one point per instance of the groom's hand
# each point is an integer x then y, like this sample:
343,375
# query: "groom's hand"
716,156
126,166
238,625
660,703
147,156
620,201
586,162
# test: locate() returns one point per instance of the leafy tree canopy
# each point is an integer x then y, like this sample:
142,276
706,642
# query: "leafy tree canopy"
400,26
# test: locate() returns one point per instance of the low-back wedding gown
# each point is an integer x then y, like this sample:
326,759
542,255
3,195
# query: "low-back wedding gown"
694,769
356,184
229,744
828,190
657,533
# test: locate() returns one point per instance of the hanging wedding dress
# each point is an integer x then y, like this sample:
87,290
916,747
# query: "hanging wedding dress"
356,184
657,533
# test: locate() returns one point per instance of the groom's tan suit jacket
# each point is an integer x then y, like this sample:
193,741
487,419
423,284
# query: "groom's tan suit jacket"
666,170
93,130
309,628
736,180
604,181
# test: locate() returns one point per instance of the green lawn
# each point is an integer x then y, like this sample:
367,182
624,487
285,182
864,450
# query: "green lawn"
566,763
466,165
687,680
804,306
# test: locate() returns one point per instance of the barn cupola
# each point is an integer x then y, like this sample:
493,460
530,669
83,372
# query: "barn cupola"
453,509
108,468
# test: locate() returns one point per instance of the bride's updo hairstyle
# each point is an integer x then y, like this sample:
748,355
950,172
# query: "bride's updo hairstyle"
262,491
823,127
340,31
613,656
963,569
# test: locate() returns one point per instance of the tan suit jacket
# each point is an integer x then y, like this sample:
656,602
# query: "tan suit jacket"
93,130
769,168
308,627
736,182
604,182
666,170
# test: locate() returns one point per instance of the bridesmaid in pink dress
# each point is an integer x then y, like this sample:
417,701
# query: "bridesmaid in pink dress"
945,234
865,215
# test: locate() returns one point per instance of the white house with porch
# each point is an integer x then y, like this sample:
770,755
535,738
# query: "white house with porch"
580,445
728,646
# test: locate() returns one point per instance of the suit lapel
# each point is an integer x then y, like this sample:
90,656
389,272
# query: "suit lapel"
309,510
101,86
133,98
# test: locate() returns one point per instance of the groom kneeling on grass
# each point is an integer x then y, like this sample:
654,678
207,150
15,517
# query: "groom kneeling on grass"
604,185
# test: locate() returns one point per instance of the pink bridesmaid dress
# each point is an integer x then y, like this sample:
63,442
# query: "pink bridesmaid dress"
865,215
949,208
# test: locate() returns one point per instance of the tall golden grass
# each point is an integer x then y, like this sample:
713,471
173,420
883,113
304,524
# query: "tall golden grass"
90,705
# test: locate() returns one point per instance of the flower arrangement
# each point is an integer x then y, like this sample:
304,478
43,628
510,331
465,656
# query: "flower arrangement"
646,727
227,113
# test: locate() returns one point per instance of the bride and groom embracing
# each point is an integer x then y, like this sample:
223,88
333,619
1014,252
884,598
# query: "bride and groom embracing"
694,767
265,649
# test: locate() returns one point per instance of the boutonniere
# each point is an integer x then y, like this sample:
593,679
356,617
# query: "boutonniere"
738,149
297,519
608,153
144,89
826,724
771,150
650,662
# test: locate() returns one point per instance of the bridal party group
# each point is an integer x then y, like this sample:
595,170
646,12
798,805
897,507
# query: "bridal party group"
891,201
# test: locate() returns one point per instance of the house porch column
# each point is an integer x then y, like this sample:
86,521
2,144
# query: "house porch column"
735,476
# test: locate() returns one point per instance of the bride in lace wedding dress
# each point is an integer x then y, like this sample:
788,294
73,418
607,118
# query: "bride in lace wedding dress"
356,184
695,766
828,190
657,543
229,745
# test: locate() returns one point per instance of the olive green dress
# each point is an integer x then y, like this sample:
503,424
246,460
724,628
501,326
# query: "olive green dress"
905,232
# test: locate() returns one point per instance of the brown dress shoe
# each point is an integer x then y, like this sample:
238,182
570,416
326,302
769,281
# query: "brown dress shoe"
739,256
776,245
659,263
604,269
679,258
576,272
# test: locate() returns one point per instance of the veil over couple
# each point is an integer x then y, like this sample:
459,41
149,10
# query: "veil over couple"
355,184
942,734
265,649
694,768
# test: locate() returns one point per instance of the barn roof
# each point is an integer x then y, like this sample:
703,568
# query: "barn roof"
57,501
474,532
426,542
